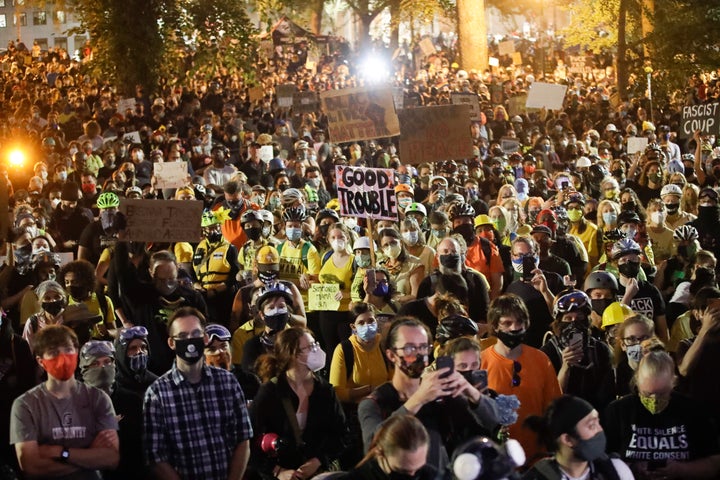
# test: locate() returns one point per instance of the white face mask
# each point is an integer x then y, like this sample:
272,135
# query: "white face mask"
338,245
316,359
411,238
657,217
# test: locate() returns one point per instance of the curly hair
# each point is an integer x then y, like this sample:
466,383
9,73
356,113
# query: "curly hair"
84,272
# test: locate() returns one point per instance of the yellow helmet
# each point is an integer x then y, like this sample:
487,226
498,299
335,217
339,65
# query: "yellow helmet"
333,204
615,314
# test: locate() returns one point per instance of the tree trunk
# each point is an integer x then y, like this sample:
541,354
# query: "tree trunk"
364,33
621,69
472,34
316,15
394,25
647,12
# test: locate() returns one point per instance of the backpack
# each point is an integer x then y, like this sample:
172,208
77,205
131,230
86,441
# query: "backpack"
548,469
327,256
486,247
303,252
349,356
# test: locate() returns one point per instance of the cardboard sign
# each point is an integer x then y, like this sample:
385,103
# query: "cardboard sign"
366,192
509,145
517,58
496,94
360,114
266,153
305,102
125,104
467,98
162,220
507,47
170,174
427,47
431,134
398,94
321,297
285,95
699,117
636,144
516,105
493,62
255,94
576,64
134,137
546,95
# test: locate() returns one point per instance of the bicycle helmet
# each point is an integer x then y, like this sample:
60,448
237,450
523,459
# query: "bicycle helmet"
251,215
404,188
461,210
217,331
670,189
624,247
294,214
572,301
455,326
267,216
108,200
209,219
601,279
327,213
612,236
685,233
416,208
273,290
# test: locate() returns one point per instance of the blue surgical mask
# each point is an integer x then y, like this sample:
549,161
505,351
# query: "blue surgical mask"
381,289
439,233
293,233
366,332
610,218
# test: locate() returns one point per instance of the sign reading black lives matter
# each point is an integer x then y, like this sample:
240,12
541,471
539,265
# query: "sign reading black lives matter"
700,117
366,192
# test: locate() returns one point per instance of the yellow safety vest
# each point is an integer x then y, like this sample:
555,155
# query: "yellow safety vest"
212,268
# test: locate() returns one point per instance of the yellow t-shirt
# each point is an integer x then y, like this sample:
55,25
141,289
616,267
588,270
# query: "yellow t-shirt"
369,368
589,240
331,273
292,265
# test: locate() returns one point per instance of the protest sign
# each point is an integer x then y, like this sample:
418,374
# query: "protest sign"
431,134
546,95
285,95
125,104
170,174
321,297
576,64
134,137
507,47
493,62
360,114
496,94
509,145
266,153
398,97
427,47
517,58
516,105
699,117
366,192
162,220
467,98
256,93
636,144
305,102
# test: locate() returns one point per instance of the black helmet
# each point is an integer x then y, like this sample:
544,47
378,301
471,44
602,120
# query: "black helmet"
454,326
327,213
461,210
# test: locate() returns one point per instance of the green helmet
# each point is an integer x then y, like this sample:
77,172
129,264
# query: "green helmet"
108,200
209,219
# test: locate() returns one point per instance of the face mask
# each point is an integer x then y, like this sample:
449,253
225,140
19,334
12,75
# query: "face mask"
258,199
439,233
392,251
672,208
610,218
658,218
575,214
511,339
316,360
293,234
219,360
338,245
88,187
630,232
656,177
592,448
277,321
107,219
450,261
404,202
190,350
366,332
55,202
313,183
411,238
215,236
467,231
381,289
166,288
610,194
61,367
634,353
268,276
629,269
266,231
324,229
138,363
600,304
415,368
488,235
363,260
62,176
100,377
499,224
253,233
78,292
53,308
654,405
628,206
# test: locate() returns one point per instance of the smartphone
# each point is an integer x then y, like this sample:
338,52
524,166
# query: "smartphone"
565,185
371,279
445,362
528,263
479,379
576,339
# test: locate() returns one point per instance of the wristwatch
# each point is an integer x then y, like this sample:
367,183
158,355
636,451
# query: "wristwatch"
65,455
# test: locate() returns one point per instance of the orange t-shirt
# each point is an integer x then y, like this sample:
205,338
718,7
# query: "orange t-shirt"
475,258
538,387
232,230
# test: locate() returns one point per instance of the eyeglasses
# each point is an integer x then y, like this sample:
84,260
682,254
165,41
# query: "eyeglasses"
313,347
410,349
517,368
633,340
129,334
185,335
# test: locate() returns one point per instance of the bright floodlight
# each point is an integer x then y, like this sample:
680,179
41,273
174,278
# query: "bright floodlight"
16,158
374,69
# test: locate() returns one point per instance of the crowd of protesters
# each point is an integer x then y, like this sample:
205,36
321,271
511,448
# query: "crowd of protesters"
561,294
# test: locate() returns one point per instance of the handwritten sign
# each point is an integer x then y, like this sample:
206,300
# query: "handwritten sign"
360,114
431,134
305,102
285,95
321,297
516,105
517,58
398,97
467,98
546,95
366,192
125,104
699,117
493,62
255,94
134,137
426,47
636,144
509,145
170,174
576,64
162,220
507,47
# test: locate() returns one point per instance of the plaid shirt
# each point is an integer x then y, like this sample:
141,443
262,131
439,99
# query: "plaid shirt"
195,428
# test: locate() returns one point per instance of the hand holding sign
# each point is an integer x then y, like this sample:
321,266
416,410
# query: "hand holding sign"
366,192
323,297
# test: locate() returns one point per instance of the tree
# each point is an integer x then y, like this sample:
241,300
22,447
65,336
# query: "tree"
472,34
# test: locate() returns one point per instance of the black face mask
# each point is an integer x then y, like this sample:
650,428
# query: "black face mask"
511,339
78,292
467,231
628,206
450,261
683,251
190,349
672,208
253,233
600,304
215,237
268,276
629,269
324,229
53,308
277,322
